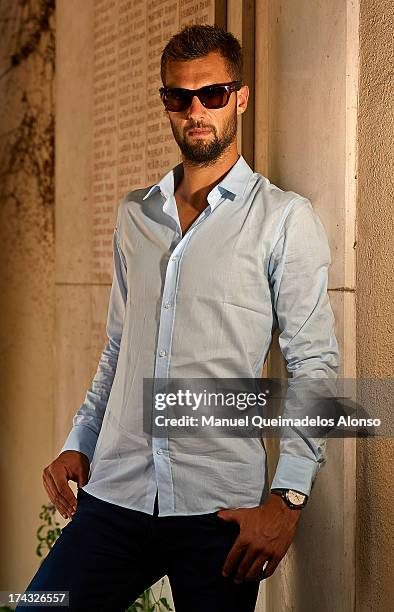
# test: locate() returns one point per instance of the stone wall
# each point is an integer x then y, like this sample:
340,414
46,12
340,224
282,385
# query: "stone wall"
27,268
375,457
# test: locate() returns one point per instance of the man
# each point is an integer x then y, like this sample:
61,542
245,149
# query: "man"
206,263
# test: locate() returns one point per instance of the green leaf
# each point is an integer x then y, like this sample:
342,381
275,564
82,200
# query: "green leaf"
137,605
38,533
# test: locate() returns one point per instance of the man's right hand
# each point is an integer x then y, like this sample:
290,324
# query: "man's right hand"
69,465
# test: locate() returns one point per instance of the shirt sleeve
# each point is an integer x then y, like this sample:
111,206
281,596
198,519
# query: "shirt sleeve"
88,419
298,274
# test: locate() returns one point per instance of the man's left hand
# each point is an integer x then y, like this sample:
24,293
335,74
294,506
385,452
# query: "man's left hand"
266,533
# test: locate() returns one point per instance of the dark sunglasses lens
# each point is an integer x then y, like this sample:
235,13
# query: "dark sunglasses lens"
177,100
214,97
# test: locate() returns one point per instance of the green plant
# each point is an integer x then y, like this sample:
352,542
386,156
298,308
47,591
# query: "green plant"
49,531
144,602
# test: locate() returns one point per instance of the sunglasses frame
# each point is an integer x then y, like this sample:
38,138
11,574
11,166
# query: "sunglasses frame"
229,87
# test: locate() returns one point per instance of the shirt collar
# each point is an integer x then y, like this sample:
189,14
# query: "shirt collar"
234,183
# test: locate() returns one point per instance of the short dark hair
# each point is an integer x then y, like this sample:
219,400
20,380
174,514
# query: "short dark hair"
197,41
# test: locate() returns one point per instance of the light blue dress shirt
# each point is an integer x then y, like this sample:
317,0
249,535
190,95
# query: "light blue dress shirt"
205,305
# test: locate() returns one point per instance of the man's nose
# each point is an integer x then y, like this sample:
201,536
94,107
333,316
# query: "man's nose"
196,109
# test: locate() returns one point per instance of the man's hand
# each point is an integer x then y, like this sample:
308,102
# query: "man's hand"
266,533
70,465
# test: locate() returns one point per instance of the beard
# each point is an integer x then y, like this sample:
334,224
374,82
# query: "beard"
202,151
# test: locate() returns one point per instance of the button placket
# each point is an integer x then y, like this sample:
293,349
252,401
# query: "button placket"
160,446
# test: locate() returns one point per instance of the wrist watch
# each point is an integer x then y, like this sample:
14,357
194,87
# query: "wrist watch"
294,499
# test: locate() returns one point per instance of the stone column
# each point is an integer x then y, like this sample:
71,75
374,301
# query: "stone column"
305,140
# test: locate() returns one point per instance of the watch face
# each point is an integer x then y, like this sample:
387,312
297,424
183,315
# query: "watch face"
296,498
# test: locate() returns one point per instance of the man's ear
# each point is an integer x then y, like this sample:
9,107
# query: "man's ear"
242,99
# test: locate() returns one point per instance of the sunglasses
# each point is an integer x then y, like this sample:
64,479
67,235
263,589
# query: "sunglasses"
177,99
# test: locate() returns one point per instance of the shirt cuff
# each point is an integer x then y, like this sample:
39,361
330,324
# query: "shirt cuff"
296,473
82,439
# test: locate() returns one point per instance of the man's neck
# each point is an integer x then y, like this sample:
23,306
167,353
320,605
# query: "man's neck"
198,181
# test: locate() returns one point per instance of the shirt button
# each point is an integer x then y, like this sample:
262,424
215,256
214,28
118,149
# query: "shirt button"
163,353
174,258
167,305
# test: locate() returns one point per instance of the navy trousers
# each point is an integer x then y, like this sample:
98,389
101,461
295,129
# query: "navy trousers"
107,556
